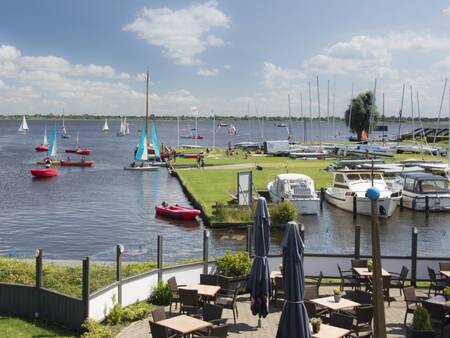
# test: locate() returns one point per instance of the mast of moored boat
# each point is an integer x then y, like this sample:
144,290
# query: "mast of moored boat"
214,128
318,110
290,120
400,116
146,110
412,117
310,111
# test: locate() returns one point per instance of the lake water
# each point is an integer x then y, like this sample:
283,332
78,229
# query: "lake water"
87,211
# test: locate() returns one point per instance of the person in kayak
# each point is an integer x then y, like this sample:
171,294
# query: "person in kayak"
48,162
164,204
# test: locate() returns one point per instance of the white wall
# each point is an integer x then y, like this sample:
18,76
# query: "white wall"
138,289
184,274
99,306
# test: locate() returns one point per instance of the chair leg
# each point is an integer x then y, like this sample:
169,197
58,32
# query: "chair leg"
406,314
234,316
429,291
170,307
237,313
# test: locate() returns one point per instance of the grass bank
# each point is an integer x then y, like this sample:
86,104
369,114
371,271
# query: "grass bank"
12,327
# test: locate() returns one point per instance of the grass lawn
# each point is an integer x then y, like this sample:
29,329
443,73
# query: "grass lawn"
11,327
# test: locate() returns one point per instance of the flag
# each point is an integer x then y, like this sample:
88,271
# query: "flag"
194,111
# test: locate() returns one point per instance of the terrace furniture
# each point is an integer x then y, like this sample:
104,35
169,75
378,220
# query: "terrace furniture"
331,304
363,325
184,324
435,283
445,273
227,299
278,288
220,331
212,313
208,279
359,296
438,314
440,299
311,292
159,331
386,288
189,301
159,314
328,331
444,266
274,274
411,301
398,279
347,279
315,281
359,263
364,272
175,298
207,292
341,320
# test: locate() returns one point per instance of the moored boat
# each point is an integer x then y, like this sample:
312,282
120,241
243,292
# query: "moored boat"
44,172
297,188
348,184
177,211
41,148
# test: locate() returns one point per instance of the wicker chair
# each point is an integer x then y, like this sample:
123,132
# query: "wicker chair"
189,301
159,314
438,284
175,298
227,299
438,315
411,301
311,292
398,279
211,313
341,320
208,279
363,325
159,331
347,279
278,289
220,331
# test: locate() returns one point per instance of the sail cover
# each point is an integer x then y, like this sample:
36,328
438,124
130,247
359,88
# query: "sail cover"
142,152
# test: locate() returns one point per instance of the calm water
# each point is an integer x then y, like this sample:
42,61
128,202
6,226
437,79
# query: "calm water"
87,211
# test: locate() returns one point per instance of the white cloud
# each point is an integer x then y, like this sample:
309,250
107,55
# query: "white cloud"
8,53
446,11
274,76
226,67
180,33
208,71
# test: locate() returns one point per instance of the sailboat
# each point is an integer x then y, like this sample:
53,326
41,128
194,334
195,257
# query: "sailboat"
63,130
127,127
157,152
23,129
141,155
44,145
78,150
48,171
105,128
122,128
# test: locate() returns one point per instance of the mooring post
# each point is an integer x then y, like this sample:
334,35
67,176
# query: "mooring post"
249,239
159,261
427,206
355,208
357,241
401,203
322,197
39,254
119,251
205,251
414,238
302,232
85,289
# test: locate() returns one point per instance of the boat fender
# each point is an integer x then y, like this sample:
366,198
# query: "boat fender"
382,211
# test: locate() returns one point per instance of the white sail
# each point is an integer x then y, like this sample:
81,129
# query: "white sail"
127,129
105,126
23,126
45,137
64,132
78,140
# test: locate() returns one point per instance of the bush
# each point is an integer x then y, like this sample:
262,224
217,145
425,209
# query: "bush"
95,330
115,315
135,312
234,265
421,321
283,212
161,294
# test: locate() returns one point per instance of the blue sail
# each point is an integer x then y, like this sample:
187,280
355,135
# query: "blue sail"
142,153
52,146
155,142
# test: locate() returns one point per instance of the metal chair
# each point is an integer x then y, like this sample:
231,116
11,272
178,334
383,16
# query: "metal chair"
438,284
175,298
398,279
227,299
347,278
188,301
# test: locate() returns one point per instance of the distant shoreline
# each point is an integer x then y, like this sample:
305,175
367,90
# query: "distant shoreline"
391,119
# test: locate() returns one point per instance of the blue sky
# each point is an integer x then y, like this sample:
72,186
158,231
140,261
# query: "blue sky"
89,56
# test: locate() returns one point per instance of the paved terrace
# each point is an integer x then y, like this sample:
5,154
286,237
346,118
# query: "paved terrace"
246,325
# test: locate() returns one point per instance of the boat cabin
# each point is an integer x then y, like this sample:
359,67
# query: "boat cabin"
344,178
425,183
294,186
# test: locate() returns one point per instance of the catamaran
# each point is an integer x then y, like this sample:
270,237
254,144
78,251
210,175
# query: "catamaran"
105,128
23,129
44,145
348,184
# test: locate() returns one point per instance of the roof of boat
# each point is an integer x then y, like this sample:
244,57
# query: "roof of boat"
425,176
293,177
358,171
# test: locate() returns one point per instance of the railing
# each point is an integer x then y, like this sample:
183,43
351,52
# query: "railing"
35,301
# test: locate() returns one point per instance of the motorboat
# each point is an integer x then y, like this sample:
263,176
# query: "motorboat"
177,211
297,188
418,186
44,172
142,167
348,184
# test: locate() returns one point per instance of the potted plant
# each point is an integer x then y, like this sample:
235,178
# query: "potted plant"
447,293
421,327
337,295
370,265
233,270
315,323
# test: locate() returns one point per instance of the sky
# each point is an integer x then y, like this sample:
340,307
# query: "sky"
225,57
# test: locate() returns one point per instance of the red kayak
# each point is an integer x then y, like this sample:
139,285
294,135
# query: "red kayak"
177,211
44,172
66,163
41,148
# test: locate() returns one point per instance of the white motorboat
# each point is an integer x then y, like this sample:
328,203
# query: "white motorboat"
142,167
418,186
297,188
350,183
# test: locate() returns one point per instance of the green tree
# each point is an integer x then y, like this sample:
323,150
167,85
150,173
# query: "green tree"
361,107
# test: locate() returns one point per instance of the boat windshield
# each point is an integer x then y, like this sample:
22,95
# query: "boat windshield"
432,186
363,176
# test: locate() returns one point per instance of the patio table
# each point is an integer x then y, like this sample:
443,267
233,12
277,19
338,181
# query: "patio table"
330,303
364,272
445,273
329,331
184,324
439,300
274,274
203,290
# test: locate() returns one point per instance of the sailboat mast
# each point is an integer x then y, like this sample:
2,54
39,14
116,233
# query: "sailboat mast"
440,109
310,110
290,120
412,116
400,115
146,110
382,130
318,110
328,105
214,128
334,106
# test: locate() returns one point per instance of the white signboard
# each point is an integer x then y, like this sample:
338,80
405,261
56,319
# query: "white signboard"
244,187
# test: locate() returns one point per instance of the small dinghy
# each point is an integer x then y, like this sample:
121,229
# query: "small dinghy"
146,167
82,163
79,151
41,148
177,212
44,172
